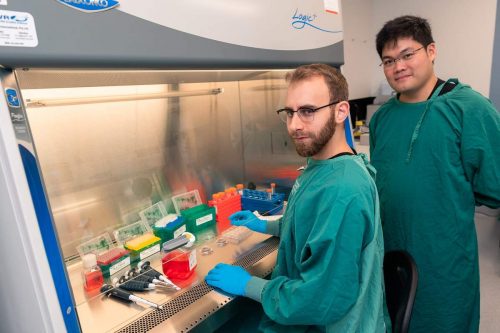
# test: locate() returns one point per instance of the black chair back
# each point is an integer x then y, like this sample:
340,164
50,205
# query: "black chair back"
401,279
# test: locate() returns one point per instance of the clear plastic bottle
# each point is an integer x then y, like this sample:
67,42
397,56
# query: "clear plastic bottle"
92,274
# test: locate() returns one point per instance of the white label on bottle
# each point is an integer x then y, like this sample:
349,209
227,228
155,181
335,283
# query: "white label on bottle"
179,231
192,260
203,219
152,250
118,266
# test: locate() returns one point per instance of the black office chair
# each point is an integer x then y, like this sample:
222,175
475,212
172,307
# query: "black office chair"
401,279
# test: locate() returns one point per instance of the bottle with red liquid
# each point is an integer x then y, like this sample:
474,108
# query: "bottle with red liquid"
179,264
179,260
92,274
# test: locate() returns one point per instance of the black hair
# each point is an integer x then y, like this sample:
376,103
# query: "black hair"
404,27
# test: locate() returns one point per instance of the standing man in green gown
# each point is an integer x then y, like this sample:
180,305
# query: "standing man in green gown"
436,148
328,274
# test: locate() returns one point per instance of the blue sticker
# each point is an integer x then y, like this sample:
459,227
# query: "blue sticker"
90,6
12,98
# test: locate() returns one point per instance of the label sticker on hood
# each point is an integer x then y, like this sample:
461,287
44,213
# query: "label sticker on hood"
17,29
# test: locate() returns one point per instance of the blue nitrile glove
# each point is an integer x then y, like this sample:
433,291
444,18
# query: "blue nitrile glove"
229,278
249,220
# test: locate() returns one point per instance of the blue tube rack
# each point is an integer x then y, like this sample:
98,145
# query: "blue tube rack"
254,200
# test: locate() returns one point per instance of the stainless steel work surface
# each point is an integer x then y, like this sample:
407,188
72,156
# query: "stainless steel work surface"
183,309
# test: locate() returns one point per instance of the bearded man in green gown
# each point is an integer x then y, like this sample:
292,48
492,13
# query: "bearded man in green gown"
328,274
436,148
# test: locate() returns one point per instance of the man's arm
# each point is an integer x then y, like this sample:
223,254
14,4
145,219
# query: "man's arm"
480,148
254,221
327,286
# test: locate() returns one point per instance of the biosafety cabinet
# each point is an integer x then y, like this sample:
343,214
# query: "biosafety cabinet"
114,111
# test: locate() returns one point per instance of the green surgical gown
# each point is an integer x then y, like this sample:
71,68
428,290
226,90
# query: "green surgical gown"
435,161
328,275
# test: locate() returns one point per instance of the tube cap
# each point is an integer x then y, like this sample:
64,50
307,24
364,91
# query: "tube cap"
89,260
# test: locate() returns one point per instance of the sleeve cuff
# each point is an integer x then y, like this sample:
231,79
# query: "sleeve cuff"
273,227
254,288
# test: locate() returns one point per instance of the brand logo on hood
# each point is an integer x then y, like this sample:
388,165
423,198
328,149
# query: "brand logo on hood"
301,20
90,6
12,98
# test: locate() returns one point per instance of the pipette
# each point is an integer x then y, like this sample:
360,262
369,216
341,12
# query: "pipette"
150,279
121,294
146,269
135,275
133,285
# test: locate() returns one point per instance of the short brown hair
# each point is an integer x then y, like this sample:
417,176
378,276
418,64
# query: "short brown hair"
336,82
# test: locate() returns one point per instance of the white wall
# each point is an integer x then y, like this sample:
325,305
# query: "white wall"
359,47
495,70
463,31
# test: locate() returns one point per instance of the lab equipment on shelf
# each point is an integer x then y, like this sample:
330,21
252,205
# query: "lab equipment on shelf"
187,239
180,262
186,200
120,294
225,204
113,261
133,285
198,218
153,213
236,235
137,280
139,239
110,258
169,227
92,274
146,269
264,202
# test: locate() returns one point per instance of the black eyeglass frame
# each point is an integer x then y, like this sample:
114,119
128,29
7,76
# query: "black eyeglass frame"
290,112
401,57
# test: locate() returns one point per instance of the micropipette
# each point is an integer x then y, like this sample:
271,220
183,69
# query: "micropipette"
150,279
133,285
146,269
135,275
121,294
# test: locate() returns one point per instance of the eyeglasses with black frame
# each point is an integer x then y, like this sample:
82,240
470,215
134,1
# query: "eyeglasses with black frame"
407,56
305,114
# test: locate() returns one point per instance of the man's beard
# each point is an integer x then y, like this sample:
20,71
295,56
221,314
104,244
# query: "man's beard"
318,141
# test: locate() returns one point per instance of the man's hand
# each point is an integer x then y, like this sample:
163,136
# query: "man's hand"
231,279
248,219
